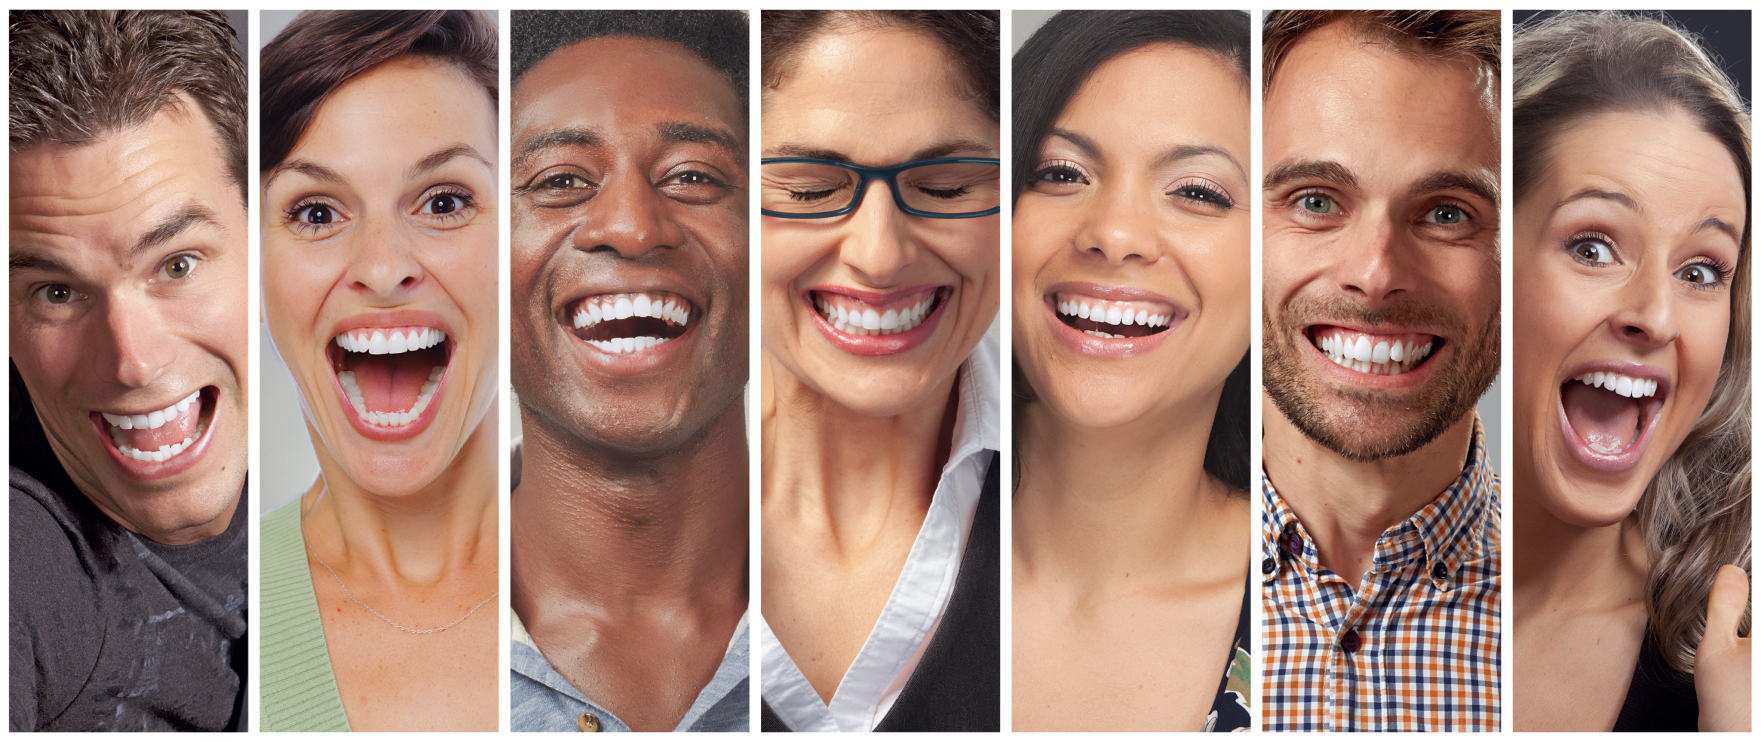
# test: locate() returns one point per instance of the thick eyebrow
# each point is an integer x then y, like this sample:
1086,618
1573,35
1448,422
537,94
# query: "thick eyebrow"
682,132
32,261
1324,171
307,168
574,136
444,155
950,148
1480,184
189,216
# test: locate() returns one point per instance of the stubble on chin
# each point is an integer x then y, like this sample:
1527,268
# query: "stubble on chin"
1367,424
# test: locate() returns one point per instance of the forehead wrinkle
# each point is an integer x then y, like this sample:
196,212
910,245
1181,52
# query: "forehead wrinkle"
189,215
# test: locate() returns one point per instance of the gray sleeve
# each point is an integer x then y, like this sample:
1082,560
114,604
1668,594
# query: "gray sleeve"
55,618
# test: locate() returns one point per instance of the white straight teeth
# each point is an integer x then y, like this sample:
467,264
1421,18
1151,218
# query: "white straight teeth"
858,320
1113,312
1625,386
381,341
154,419
390,419
164,452
672,309
1379,357
621,346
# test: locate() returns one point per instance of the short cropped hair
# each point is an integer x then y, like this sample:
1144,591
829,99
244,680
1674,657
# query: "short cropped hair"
718,37
971,39
80,75
1440,35
320,51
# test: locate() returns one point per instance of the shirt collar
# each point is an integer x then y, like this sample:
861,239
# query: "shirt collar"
980,399
1447,529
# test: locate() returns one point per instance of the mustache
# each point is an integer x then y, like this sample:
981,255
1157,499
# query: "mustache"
1303,311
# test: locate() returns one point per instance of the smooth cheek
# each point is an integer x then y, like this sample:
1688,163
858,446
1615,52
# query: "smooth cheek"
785,259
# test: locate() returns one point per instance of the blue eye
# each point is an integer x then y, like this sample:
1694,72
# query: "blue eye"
1446,214
1317,203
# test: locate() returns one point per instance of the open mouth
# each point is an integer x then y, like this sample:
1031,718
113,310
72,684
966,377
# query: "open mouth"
1107,319
622,324
163,434
390,374
1610,411
895,315
1378,355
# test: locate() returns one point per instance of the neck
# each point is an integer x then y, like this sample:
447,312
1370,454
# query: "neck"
602,528
856,473
1346,505
1557,563
421,538
1123,500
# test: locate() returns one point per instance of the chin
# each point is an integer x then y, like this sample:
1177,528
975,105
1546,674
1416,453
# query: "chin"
1591,504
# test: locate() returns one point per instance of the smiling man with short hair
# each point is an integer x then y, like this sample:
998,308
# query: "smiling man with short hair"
127,267
629,517
1380,530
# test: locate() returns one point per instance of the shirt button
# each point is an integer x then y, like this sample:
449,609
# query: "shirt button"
1350,642
1439,571
589,723
1292,543
1268,566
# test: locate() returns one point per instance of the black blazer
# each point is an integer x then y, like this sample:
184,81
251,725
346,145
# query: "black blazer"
957,685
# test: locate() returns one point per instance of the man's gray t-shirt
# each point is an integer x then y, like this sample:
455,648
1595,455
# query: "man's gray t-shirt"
110,630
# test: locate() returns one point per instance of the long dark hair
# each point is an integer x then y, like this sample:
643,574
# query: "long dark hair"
1048,70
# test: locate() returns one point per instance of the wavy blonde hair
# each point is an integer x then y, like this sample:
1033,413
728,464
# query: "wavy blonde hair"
1695,513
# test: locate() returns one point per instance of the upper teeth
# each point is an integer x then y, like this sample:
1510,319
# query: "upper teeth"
1378,356
860,319
1113,312
1625,386
353,389
155,418
380,341
624,306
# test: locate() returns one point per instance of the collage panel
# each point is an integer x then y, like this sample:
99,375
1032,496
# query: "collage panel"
879,191
1381,565
629,329
379,218
1631,418
1132,228
129,345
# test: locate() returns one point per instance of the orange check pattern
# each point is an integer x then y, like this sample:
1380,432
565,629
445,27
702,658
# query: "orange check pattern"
1417,649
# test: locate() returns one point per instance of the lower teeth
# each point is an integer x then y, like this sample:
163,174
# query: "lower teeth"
165,452
621,346
390,419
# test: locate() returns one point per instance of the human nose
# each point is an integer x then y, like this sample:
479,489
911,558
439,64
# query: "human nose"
876,244
628,217
1372,262
1645,315
135,349
385,264
1120,228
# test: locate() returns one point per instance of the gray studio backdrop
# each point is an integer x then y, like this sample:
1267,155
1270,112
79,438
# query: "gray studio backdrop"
288,467
1028,21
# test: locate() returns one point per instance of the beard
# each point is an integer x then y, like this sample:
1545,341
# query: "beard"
1372,424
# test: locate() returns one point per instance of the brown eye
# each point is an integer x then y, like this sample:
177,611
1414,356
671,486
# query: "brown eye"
177,267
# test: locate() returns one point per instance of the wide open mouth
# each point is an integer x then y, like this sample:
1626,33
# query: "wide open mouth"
631,323
390,374
1610,411
1379,355
1108,319
852,316
163,434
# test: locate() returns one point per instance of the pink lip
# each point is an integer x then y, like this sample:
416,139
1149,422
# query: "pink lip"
403,318
1353,377
1108,348
154,470
1651,407
878,345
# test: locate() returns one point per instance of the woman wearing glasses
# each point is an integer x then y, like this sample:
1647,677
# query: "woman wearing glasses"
880,195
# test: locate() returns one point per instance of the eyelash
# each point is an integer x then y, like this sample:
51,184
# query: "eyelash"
1065,168
292,215
1208,193
1724,270
467,200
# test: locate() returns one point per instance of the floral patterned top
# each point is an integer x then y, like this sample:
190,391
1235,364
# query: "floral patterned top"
1232,711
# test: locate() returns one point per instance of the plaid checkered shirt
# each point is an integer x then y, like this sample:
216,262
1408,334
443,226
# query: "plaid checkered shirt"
1417,649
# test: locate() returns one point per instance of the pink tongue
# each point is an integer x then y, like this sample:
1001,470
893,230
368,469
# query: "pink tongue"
173,431
1605,420
390,383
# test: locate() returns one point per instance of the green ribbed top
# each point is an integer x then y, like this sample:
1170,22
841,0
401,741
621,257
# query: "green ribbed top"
299,689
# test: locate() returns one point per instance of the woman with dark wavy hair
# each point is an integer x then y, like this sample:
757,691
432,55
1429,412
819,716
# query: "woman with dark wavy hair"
1632,380
1131,248
379,232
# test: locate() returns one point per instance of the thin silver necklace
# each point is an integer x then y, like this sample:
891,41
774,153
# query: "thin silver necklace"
351,595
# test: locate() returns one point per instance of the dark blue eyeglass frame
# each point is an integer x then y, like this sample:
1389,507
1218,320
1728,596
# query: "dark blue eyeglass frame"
888,174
